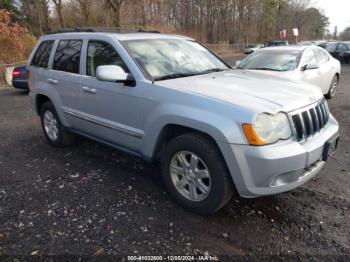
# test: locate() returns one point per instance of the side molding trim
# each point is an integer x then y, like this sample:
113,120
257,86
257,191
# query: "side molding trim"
104,124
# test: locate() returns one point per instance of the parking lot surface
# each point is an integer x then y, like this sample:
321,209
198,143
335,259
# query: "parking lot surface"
91,200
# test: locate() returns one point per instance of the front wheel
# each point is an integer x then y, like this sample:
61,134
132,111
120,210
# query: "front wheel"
195,174
333,87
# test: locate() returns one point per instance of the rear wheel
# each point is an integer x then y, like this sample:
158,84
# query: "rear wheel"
333,87
54,131
195,174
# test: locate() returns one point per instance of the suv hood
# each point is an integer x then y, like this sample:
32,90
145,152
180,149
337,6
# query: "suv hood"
249,90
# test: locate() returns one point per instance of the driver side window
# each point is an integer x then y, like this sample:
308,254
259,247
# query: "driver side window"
102,53
309,58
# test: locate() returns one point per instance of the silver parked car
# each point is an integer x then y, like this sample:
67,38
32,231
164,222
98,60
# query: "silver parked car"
310,64
252,48
215,131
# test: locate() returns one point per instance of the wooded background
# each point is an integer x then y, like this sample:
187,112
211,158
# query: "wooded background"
239,22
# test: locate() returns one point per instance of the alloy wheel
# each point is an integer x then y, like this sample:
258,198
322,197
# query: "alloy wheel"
334,86
50,125
190,176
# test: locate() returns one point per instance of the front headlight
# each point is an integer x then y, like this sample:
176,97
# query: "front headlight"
268,129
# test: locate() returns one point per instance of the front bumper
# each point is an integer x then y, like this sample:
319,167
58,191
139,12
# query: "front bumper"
268,170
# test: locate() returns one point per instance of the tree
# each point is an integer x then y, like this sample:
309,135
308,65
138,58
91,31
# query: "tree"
35,16
59,9
85,6
317,23
212,21
15,41
9,5
345,35
116,5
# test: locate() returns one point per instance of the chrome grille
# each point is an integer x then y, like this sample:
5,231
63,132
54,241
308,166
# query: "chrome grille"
310,120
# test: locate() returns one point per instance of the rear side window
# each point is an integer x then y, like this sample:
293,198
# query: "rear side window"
67,57
322,57
310,57
342,48
42,54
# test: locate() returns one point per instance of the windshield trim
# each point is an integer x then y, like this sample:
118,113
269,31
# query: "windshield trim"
145,72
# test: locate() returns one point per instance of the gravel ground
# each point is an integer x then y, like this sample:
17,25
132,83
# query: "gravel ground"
90,200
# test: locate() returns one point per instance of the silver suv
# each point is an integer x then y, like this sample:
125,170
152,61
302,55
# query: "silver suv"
216,131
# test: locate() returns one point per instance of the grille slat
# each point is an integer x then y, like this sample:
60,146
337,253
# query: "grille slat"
306,120
324,115
310,121
319,116
298,127
314,119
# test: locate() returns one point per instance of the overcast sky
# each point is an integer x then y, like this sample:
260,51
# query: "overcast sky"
338,12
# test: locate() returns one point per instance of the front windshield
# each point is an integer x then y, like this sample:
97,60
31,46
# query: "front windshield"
171,58
272,60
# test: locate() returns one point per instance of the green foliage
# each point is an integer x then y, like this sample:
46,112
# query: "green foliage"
271,9
345,35
10,5
317,23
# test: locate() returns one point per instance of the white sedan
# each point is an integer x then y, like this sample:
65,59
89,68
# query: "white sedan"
309,64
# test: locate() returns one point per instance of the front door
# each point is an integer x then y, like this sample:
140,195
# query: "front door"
311,76
341,52
113,111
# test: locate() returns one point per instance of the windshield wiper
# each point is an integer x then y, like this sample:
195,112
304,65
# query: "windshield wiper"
264,68
172,76
212,70
178,75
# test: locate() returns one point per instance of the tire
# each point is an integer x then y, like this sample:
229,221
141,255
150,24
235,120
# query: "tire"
62,137
218,184
333,87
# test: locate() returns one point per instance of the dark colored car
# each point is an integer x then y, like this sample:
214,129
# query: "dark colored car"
340,51
276,43
324,44
19,78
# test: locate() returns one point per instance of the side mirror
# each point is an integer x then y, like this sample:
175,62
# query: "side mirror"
309,67
237,63
112,73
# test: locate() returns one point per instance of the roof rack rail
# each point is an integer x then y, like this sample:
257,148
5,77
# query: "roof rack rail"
101,29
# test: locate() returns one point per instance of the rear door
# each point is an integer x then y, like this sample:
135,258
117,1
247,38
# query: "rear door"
65,78
327,70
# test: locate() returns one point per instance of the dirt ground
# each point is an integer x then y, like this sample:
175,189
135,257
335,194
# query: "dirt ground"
90,200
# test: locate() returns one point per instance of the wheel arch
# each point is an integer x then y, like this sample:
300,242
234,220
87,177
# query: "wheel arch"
170,131
40,99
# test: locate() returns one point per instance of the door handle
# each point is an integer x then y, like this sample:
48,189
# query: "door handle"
89,90
52,81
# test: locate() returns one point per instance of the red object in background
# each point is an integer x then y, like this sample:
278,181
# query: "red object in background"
16,73
283,34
